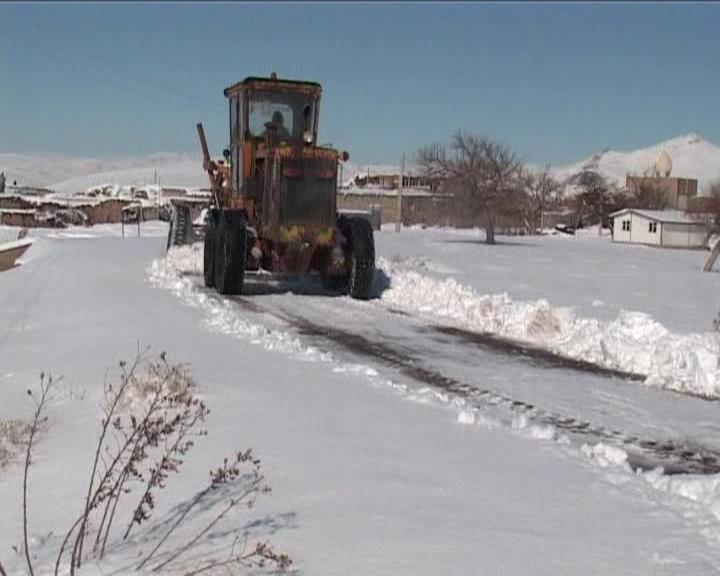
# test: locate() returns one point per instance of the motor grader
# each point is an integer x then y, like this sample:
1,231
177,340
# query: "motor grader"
274,195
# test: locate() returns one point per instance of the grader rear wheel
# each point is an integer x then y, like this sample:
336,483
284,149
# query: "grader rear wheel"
209,249
180,231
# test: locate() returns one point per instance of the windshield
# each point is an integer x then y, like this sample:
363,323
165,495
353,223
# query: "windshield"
289,114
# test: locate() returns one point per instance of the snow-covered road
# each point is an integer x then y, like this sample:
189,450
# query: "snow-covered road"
394,445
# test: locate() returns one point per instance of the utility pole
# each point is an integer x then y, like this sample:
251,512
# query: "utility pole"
398,224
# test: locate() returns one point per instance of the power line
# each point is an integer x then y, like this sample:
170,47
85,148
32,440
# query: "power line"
123,73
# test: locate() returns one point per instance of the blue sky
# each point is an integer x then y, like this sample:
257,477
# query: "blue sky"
556,81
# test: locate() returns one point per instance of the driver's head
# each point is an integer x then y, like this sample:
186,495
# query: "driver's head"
277,118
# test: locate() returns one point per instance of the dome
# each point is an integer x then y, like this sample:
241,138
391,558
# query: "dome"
663,165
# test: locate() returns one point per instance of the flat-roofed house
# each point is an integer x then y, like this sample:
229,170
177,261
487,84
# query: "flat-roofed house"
667,228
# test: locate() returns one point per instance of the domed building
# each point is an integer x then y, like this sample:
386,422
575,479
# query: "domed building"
658,189
663,165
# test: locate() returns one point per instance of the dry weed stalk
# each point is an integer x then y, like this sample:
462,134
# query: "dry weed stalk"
39,418
149,422
150,419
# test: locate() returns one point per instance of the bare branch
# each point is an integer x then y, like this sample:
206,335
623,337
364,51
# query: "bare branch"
38,419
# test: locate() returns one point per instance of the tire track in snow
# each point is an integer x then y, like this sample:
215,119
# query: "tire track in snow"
643,453
687,457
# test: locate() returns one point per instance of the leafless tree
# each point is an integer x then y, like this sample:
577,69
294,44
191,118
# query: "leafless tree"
481,168
595,197
542,191
647,193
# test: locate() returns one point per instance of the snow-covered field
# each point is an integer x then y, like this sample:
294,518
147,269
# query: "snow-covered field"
396,438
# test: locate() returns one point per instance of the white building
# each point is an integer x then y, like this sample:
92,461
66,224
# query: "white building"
670,228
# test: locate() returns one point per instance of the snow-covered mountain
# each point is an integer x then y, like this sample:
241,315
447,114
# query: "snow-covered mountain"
692,157
71,175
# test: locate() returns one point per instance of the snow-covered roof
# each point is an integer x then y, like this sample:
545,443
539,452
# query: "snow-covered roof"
674,216
15,244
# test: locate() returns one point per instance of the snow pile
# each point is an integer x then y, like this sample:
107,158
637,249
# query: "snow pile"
699,492
605,455
634,342
702,490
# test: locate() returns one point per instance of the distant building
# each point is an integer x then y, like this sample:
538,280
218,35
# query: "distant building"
389,180
667,228
677,191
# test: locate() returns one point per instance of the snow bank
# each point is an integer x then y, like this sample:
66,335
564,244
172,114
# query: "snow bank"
697,495
701,490
633,342
174,273
606,455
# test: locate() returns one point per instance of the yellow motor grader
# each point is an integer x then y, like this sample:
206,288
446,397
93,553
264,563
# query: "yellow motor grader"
274,195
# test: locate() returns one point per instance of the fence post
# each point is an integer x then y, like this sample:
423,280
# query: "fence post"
398,224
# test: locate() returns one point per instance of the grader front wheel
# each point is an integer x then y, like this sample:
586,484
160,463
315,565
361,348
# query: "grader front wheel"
230,253
360,256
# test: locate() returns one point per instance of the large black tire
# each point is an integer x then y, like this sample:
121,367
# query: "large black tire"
230,253
209,249
359,254
170,235
180,226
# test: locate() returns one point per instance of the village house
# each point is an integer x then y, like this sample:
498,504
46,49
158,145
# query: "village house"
666,228
389,179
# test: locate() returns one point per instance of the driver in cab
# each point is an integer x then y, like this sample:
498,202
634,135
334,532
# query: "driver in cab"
275,129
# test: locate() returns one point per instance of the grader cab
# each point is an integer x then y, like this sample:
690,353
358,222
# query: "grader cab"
274,195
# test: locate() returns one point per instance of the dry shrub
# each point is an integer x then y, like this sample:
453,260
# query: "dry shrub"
151,417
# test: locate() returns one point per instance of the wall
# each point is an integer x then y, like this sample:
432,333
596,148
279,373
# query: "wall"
427,209
620,235
387,203
104,212
22,218
677,190
640,233
683,235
